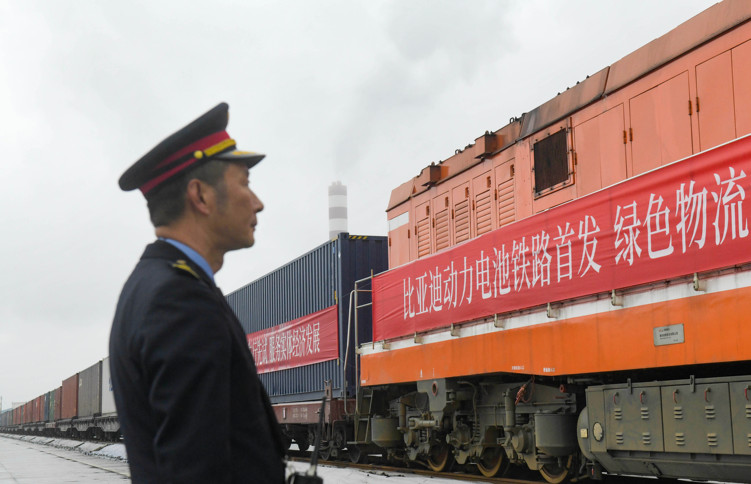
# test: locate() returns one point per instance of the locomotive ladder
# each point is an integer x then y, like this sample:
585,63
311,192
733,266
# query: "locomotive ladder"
363,396
362,416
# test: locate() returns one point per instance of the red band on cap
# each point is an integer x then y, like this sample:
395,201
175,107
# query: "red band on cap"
199,145
151,184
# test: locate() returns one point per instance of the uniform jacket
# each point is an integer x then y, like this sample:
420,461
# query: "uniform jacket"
190,404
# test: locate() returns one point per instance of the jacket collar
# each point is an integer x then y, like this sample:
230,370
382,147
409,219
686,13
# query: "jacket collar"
164,250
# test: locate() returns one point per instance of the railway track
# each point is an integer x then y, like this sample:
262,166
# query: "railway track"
378,468
461,473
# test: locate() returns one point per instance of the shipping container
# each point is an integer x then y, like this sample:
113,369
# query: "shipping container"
28,412
41,405
49,409
6,418
108,398
58,403
70,397
318,281
89,391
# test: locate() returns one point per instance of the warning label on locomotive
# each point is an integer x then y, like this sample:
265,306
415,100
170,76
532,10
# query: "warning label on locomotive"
683,218
668,335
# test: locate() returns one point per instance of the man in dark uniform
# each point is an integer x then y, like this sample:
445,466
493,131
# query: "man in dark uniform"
190,404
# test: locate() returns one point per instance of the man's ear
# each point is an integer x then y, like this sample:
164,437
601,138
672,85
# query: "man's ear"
199,196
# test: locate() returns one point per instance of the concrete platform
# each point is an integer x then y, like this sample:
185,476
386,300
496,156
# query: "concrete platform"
29,462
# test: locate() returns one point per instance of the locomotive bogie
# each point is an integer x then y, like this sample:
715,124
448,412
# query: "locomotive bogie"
488,422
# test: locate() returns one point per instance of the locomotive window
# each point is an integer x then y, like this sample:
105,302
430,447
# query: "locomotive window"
551,162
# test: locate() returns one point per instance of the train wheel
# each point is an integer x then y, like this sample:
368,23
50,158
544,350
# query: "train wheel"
325,452
554,473
492,462
356,455
439,457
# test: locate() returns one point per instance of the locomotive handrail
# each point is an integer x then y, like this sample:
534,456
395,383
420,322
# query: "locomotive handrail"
354,304
346,354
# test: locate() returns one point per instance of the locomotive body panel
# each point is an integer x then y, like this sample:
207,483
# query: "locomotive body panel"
588,337
674,221
684,93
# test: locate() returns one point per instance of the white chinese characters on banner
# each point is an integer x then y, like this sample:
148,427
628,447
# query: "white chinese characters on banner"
311,339
537,260
671,222
287,345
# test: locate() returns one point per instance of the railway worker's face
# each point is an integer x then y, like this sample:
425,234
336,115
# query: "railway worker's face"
237,208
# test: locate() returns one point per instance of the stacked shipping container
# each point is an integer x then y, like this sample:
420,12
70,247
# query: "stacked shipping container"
320,279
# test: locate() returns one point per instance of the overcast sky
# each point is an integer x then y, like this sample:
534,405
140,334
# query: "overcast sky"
366,92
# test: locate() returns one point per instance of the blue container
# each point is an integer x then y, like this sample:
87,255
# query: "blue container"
322,278
46,409
6,418
49,411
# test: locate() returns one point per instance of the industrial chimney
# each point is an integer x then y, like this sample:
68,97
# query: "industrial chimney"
337,209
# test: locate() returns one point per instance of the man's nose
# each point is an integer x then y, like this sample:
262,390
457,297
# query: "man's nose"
257,202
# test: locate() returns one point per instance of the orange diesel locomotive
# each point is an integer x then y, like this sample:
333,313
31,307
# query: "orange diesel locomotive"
572,292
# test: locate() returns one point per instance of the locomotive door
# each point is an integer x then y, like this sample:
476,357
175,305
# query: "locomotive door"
482,205
600,151
723,94
399,238
422,229
461,213
441,221
660,129
742,88
714,90
504,177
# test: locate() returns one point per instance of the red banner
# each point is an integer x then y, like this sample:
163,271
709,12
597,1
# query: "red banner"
679,219
311,339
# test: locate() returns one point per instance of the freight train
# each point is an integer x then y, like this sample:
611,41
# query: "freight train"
568,294
83,406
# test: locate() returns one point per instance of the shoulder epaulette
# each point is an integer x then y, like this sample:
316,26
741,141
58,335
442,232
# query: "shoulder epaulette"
183,266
